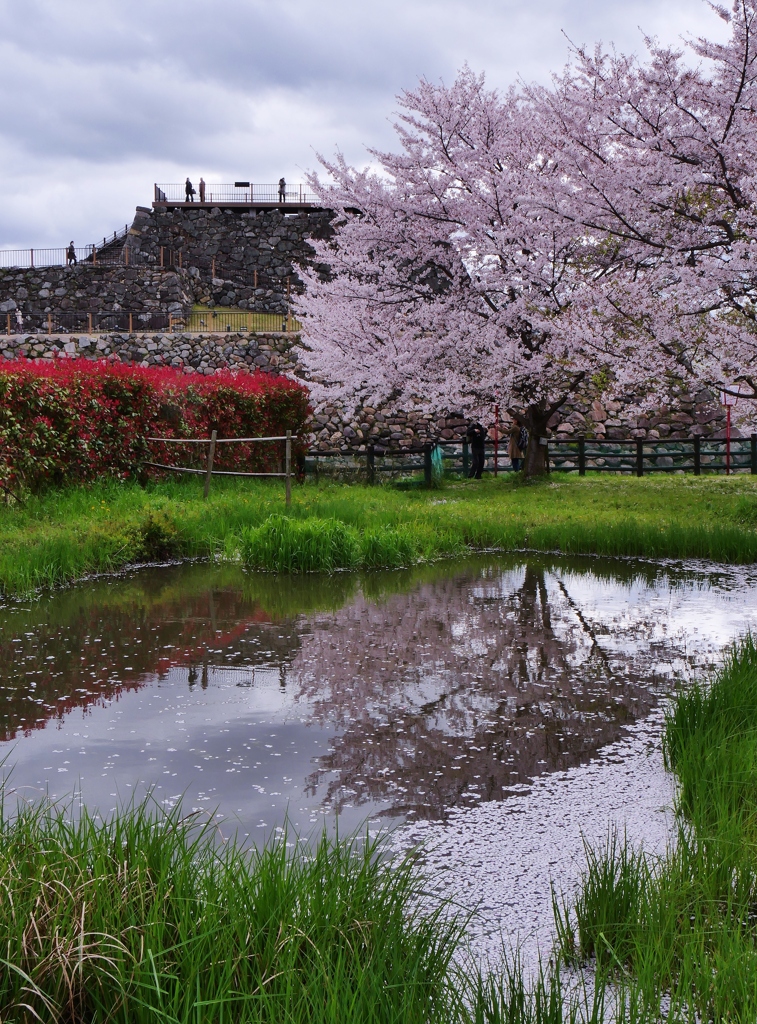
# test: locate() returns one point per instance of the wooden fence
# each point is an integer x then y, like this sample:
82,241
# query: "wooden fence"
636,457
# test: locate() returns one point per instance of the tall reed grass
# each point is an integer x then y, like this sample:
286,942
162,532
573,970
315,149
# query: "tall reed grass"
680,931
290,545
151,916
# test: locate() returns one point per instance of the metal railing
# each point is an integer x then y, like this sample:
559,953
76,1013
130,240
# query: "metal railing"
124,321
240,192
163,258
106,252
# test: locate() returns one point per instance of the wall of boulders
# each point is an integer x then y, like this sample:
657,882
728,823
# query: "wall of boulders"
688,415
200,353
223,246
86,288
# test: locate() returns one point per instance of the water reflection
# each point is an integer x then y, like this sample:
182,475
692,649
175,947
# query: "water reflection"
398,693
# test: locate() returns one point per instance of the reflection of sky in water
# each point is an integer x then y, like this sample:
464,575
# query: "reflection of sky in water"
440,688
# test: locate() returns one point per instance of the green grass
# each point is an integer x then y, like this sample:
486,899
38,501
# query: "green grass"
148,917
205,318
152,917
60,536
684,928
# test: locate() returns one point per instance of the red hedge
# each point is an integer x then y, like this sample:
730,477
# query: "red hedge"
76,420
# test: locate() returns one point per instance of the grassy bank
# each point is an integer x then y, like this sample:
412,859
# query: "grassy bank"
683,930
63,535
152,917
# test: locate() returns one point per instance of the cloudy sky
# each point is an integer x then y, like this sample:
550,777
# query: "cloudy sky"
101,98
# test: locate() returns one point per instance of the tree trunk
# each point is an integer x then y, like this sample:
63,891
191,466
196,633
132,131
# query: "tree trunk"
535,460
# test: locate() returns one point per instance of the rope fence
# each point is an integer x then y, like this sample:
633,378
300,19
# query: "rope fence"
209,471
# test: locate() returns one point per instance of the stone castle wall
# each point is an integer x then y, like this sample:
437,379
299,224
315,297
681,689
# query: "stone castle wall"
193,353
689,416
86,288
232,242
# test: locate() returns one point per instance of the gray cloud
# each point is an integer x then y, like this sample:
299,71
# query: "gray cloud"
101,98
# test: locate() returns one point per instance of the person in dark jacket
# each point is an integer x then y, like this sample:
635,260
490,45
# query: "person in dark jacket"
476,435
282,190
189,192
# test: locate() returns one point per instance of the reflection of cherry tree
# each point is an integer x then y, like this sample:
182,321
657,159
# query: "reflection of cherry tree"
453,693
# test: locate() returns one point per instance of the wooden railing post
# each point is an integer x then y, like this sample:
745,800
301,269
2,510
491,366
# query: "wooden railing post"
211,456
161,257
753,454
639,457
698,456
131,323
371,453
289,468
582,456
89,322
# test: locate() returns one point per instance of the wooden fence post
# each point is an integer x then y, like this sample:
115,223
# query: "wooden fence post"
161,257
371,453
89,322
466,459
753,454
211,455
289,468
582,456
698,456
9,323
427,476
131,323
639,457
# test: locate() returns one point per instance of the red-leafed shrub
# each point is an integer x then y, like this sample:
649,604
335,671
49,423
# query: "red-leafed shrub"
76,420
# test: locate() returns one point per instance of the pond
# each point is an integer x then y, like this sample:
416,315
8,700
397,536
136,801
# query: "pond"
401,696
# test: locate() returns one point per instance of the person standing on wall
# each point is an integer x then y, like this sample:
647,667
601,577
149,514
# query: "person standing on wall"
71,254
476,435
189,192
282,190
202,190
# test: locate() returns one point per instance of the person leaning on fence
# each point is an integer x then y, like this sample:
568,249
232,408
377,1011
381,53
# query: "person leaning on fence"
476,435
202,190
70,254
282,190
189,192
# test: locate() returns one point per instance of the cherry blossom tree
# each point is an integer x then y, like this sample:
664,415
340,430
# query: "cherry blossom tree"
657,170
525,245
